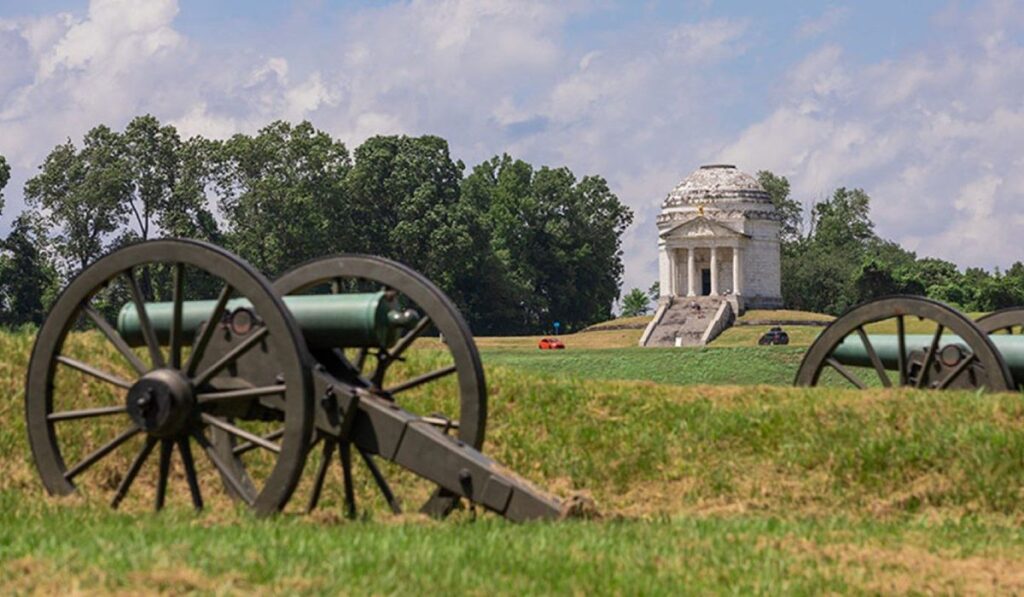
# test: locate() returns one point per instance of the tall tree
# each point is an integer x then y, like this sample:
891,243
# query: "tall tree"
282,194
186,211
27,282
5,176
790,210
151,155
843,220
83,194
408,205
635,303
558,241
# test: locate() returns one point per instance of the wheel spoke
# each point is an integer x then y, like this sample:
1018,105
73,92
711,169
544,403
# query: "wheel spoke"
232,356
178,298
148,332
115,338
225,471
185,449
901,347
345,455
321,474
165,469
361,359
100,452
883,375
199,348
247,446
242,433
133,471
242,393
90,370
422,379
845,373
956,371
382,483
929,356
85,413
405,341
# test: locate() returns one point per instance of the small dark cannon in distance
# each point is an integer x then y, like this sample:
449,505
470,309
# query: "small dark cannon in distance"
955,353
258,376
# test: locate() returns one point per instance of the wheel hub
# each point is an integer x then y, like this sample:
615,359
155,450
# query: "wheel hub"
160,402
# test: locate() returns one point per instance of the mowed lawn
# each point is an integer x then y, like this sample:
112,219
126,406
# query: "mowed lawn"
730,483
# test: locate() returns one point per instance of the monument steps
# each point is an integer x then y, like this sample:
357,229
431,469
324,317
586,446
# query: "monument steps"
686,321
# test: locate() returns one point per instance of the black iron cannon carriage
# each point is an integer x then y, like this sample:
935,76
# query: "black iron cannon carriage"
921,343
257,375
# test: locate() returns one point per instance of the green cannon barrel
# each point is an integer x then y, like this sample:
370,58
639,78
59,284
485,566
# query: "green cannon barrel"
327,320
852,352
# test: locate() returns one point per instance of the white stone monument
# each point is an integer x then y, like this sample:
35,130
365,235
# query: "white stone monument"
718,237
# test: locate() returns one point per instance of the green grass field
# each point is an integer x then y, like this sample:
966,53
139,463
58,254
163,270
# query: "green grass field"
711,475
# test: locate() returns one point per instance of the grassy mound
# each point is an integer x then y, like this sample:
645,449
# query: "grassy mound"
722,487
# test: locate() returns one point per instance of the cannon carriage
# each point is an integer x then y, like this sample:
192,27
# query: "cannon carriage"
255,376
911,341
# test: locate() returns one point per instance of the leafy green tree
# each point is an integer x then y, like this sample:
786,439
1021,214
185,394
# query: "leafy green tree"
844,220
27,281
932,272
635,303
186,212
558,241
407,202
5,176
82,194
151,155
282,194
790,211
654,292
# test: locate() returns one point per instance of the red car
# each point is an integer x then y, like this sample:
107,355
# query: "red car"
550,344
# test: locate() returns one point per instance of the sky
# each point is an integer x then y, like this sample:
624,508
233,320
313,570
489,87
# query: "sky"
921,104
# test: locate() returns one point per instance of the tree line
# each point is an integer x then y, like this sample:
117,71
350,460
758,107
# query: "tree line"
516,247
832,259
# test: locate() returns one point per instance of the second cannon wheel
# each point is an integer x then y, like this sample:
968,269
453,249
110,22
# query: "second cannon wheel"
904,341
444,384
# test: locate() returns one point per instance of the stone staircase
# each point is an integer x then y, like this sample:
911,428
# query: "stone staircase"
689,319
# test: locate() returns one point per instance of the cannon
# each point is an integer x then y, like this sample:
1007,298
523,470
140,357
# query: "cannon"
918,342
213,358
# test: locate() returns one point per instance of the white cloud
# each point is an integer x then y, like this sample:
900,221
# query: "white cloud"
825,22
933,134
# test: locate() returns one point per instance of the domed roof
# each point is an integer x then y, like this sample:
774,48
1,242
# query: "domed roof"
716,183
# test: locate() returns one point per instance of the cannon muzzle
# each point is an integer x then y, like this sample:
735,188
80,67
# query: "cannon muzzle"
327,320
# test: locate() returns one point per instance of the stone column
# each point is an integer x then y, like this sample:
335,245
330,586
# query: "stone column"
672,273
714,271
691,271
737,272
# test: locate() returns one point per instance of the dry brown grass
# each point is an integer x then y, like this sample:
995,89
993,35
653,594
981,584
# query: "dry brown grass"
913,569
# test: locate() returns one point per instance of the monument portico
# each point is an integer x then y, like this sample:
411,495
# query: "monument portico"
718,242
702,258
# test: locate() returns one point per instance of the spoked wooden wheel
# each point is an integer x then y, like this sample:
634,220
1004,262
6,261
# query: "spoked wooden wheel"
1004,321
1009,321
90,396
904,341
444,386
